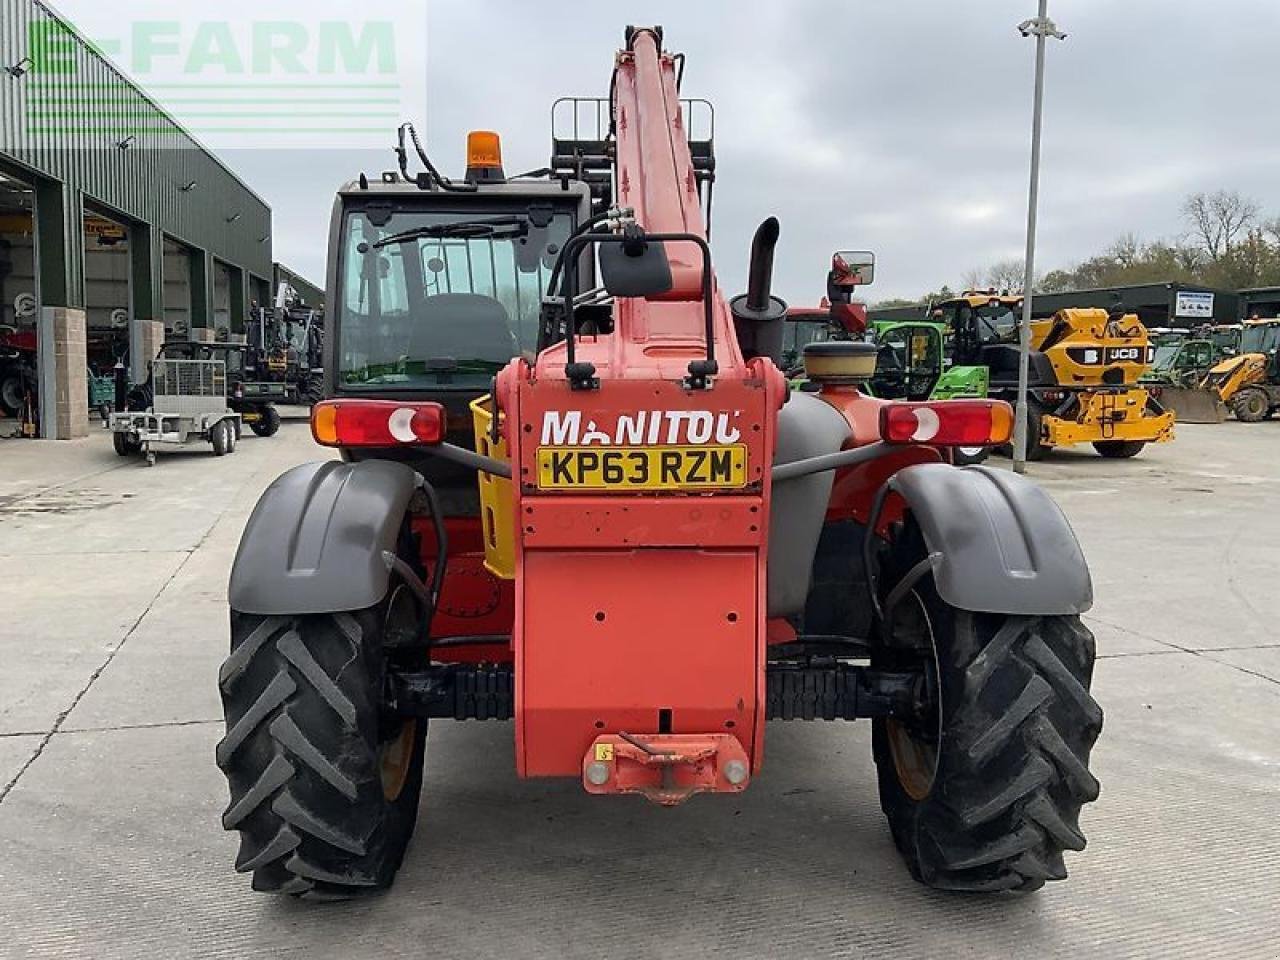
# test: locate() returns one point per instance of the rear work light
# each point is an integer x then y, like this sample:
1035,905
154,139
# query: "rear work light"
948,423
376,423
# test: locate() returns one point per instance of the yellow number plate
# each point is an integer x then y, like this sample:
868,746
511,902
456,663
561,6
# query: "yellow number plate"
642,468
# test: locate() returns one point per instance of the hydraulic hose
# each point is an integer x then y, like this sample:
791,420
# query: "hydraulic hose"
444,183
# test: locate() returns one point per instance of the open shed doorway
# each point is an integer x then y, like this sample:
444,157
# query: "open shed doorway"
108,280
19,308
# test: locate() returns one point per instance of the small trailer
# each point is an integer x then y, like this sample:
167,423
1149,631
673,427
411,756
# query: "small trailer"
189,403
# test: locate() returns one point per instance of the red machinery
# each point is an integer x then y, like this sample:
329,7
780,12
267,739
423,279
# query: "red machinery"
670,548
18,376
704,556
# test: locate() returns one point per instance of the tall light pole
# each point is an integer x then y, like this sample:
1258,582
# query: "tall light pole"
1041,28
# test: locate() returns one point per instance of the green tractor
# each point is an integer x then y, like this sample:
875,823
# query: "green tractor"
914,363
1179,367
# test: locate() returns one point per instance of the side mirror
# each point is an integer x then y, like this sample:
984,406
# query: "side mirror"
635,269
852,268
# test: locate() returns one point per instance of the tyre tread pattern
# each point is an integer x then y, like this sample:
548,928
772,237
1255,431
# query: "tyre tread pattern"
1013,769
301,756
1250,405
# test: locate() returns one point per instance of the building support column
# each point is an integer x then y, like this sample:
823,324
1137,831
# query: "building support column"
60,336
146,254
65,376
150,339
239,300
59,220
201,295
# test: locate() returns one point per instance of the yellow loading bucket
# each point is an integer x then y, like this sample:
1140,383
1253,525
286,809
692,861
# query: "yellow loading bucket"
496,498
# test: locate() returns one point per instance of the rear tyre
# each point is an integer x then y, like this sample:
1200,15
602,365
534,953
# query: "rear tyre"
324,785
1119,449
314,390
1037,449
15,384
220,437
269,422
124,446
984,793
1250,405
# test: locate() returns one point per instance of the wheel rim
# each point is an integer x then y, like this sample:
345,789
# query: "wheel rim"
1255,403
395,754
914,747
395,759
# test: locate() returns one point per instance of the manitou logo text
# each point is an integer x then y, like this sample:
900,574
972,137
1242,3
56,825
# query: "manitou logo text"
651,427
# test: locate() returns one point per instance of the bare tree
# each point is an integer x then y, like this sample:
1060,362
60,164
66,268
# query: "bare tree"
974,279
1272,228
1126,251
1007,275
1218,218
1188,259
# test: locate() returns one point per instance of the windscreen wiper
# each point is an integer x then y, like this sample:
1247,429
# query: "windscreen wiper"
495,228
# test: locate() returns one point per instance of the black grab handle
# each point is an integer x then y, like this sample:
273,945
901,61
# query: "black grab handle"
582,375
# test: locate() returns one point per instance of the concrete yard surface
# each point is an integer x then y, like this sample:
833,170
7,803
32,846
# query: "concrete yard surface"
110,843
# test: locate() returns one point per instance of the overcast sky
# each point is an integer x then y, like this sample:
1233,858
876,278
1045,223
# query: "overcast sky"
901,127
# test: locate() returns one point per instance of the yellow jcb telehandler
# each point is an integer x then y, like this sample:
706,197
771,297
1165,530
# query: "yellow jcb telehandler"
1083,372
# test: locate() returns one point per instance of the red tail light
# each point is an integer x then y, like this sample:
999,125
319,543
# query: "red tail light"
948,423
376,423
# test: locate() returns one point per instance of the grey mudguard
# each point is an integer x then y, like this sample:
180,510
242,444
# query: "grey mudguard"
807,427
1006,546
314,542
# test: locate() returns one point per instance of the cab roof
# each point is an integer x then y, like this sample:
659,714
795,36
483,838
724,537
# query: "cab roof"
980,298
390,186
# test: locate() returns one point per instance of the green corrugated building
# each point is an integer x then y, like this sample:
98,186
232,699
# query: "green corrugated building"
112,217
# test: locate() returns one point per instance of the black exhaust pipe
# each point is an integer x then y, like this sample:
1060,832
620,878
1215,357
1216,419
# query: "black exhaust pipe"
757,314
760,276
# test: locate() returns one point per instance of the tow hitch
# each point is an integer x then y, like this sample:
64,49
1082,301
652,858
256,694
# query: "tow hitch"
667,768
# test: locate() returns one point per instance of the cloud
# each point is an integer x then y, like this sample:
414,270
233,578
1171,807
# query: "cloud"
902,128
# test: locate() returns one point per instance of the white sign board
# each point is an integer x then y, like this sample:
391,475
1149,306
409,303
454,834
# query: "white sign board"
1196,306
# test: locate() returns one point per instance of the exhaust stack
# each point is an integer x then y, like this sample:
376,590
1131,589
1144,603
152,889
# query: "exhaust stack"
757,314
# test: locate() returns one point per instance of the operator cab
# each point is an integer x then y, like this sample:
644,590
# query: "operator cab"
440,284
910,361
983,328
1260,336
1263,337
436,285
978,322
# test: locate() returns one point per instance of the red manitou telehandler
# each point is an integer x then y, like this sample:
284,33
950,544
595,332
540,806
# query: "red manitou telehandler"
549,416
